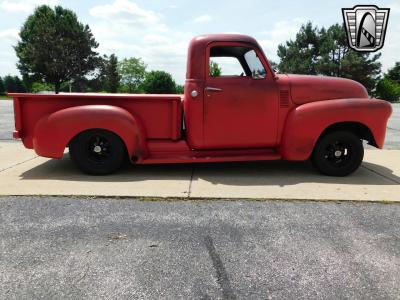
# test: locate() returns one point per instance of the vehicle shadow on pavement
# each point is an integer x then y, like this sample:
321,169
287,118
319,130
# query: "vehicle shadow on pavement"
280,173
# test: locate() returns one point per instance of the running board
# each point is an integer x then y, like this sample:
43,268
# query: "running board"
211,156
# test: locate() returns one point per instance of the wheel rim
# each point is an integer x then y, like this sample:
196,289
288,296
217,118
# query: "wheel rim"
98,149
338,154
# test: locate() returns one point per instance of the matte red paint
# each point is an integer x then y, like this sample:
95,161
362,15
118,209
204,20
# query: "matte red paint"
278,117
112,118
306,123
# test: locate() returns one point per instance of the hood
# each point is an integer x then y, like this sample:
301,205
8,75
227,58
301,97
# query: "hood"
306,88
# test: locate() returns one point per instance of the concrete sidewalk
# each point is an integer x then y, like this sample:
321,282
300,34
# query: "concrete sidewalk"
23,173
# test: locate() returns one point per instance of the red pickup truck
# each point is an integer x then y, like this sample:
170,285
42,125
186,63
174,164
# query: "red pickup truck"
243,112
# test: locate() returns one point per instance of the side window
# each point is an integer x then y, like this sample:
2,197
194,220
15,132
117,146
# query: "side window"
225,66
235,61
255,65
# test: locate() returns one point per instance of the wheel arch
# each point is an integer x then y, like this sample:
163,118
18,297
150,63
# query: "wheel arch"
54,132
359,129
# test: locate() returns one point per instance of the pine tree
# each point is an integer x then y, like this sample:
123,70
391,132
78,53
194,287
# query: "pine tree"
112,75
19,86
2,88
9,84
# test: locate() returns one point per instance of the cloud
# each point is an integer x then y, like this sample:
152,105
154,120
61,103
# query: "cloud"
394,7
126,29
9,38
281,32
9,34
202,19
24,6
128,13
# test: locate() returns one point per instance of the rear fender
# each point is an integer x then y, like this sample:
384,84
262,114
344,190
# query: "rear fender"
305,123
53,132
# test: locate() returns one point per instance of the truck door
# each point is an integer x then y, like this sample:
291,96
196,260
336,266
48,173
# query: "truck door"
240,98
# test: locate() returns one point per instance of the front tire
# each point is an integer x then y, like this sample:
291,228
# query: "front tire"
97,152
338,153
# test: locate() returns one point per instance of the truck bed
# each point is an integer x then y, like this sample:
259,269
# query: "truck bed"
161,115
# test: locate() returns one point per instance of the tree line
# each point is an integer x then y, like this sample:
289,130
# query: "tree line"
57,52
128,76
11,84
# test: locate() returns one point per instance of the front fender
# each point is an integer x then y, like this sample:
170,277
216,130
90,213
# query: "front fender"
53,132
305,123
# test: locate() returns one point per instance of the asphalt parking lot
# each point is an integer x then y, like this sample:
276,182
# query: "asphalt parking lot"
73,248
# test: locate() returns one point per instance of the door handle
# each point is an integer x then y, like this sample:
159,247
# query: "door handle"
212,89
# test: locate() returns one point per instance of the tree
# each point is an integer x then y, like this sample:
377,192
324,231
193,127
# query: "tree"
38,87
326,52
132,72
93,81
179,89
29,80
215,69
388,89
332,50
362,68
394,73
104,78
159,82
112,75
19,86
55,46
9,83
300,56
2,88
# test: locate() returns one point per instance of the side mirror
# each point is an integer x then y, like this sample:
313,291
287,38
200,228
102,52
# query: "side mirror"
257,74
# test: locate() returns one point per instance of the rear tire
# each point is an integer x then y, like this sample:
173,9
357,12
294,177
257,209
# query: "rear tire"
338,153
97,152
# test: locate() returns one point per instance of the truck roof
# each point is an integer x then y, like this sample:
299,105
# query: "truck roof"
224,37
197,51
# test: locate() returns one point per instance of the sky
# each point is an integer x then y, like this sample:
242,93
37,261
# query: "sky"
159,31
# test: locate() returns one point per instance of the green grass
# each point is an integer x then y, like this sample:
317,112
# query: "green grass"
5,98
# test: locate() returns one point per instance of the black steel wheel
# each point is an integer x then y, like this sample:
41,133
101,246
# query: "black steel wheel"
338,153
97,151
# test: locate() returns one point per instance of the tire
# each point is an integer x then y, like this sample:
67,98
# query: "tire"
338,153
97,152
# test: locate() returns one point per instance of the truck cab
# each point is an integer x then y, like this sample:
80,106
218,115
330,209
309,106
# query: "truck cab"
237,108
